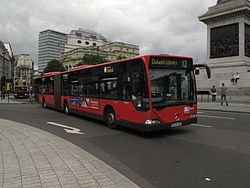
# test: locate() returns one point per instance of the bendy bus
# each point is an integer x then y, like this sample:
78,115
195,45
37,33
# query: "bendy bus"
146,93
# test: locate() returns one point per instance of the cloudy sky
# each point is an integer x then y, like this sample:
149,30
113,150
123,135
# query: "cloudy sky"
157,26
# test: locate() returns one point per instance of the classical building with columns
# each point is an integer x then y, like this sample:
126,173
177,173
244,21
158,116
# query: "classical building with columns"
110,51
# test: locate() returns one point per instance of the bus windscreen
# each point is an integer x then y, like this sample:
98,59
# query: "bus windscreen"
21,89
172,82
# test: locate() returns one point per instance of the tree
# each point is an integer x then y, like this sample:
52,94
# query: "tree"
53,66
120,57
92,59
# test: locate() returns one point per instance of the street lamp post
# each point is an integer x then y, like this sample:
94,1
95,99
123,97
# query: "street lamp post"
3,78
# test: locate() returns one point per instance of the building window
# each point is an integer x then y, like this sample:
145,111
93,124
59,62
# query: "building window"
87,43
79,42
94,44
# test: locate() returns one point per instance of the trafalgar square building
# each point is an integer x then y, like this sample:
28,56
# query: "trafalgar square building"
228,47
70,48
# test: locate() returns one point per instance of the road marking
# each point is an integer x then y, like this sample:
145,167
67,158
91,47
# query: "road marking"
198,125
217,117
224,112
68,129
207,179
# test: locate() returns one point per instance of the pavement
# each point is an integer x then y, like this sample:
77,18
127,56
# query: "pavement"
30,157
10,101
232,107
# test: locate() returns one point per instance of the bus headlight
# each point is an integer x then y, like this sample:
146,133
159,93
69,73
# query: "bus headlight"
152,122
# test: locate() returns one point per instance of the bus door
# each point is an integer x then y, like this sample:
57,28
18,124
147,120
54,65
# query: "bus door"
57,91
134,92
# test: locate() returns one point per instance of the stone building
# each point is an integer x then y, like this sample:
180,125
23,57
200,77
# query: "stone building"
110,51
24,68
70,48
12,59
121,49
5,61
228,46
52,44
83,38
71,58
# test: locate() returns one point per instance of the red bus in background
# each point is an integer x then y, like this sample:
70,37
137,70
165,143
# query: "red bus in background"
146,93
21,89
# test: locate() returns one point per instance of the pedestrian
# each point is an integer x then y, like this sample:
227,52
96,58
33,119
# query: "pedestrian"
3,92
31,94
213,93
237,77
233,78
223,94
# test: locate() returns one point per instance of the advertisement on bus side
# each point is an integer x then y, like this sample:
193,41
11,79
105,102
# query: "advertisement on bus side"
85,102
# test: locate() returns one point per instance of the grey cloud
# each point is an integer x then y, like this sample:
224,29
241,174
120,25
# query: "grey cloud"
157,26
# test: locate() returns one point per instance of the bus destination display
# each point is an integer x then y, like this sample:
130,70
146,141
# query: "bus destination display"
170,63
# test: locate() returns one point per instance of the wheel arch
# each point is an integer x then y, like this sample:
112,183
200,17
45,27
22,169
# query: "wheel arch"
106,108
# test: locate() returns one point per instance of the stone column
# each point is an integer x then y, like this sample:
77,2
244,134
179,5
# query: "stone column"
229,57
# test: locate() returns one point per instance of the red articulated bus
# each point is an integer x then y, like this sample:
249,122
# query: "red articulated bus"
146,93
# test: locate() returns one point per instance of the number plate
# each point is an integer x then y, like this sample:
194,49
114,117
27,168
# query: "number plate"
177,124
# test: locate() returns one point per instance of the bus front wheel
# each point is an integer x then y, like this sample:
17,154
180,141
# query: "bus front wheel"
110,118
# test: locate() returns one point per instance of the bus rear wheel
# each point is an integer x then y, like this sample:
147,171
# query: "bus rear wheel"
110,118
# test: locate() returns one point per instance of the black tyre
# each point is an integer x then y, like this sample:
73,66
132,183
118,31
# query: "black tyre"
66,108
110,118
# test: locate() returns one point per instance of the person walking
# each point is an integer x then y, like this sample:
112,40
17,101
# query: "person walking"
31,94
213,93
223,94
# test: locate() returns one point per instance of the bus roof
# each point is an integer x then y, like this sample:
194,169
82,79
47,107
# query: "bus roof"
78,68
107,63
48,74
122,60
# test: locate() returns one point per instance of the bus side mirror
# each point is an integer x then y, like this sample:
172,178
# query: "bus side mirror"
205,66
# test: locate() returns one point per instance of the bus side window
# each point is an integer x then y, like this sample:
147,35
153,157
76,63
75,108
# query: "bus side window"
102,90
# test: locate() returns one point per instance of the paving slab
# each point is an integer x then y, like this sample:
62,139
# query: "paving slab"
30,157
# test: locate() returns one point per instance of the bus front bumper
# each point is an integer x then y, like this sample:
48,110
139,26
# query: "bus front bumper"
157,127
